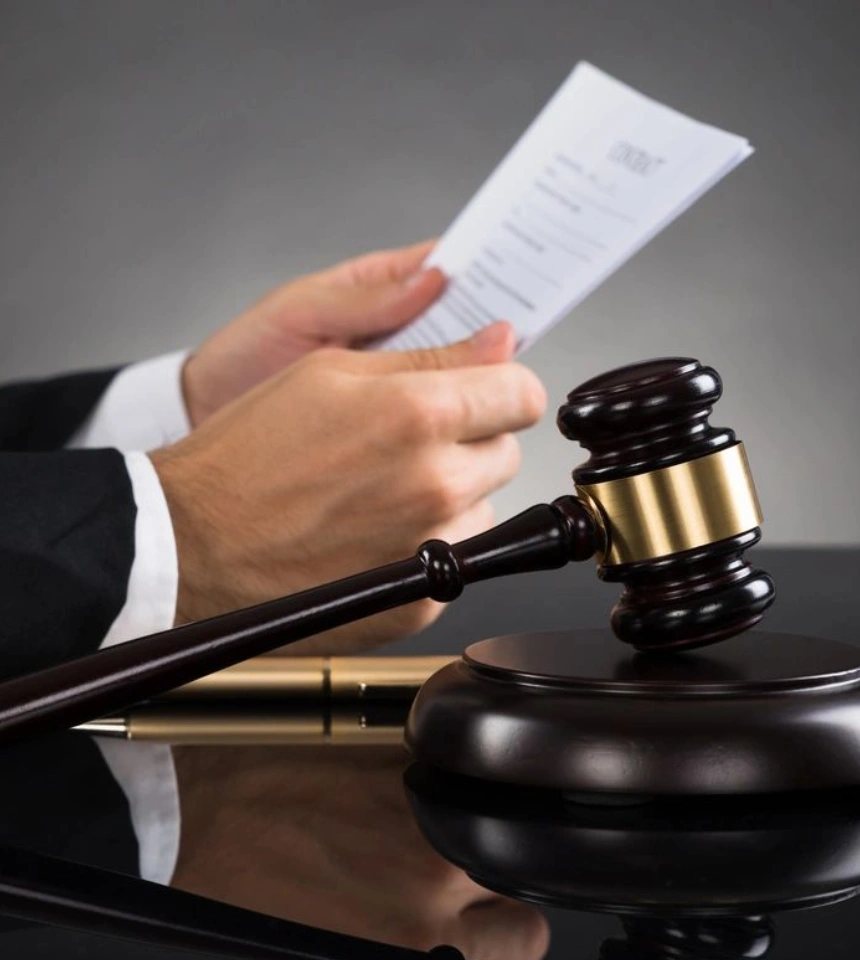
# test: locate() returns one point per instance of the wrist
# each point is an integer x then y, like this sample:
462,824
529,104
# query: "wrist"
195,551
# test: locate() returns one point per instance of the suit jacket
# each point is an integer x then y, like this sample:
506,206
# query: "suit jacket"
66,549
66,525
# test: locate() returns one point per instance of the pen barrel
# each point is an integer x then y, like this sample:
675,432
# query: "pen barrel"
226,727
381,678
543,537
260,678
285,679
232,727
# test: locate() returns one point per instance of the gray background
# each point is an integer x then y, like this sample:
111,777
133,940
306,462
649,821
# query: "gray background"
163,163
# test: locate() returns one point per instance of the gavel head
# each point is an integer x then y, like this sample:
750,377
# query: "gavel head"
676,502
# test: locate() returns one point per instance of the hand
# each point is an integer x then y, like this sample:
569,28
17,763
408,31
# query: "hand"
343,462
324,836
340,307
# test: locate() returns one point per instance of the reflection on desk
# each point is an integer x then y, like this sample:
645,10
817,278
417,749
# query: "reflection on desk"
330,836
692,878
325,834
321,835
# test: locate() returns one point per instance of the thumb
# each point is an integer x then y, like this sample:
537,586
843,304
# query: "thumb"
363,312
493,344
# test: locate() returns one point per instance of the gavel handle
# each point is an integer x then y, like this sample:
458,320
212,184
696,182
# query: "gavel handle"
541,538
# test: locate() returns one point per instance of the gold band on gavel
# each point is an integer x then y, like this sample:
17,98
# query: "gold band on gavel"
676,508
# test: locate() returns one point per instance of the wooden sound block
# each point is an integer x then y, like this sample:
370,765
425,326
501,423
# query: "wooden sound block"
578,712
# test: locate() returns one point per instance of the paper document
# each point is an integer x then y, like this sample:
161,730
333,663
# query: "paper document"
597,174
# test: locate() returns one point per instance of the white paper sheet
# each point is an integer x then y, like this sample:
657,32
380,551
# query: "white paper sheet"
599,172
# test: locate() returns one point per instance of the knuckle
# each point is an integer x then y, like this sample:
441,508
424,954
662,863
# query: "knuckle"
401,412
450,357
429,359
322,359
442,492
465,410
422,415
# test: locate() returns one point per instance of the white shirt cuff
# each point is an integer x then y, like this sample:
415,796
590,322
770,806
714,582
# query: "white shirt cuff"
145,771
142,409
150,603
146,775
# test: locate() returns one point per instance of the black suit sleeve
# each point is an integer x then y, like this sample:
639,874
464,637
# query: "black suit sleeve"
43,414
66,550
59,798
66,525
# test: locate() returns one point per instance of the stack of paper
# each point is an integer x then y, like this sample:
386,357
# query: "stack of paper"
599,172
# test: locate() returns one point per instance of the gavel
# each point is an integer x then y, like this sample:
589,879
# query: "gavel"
666,504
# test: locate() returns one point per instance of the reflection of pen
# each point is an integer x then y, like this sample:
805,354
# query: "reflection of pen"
196,724
340,678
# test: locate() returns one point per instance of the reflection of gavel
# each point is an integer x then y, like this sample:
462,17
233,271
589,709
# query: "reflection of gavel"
666,502
692,879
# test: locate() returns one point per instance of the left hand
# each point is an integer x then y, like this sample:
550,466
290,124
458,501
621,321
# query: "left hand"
343,306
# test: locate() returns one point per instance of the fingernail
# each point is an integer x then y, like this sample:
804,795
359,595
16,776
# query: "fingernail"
491,336
413,280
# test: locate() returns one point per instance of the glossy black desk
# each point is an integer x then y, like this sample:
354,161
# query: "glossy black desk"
326,835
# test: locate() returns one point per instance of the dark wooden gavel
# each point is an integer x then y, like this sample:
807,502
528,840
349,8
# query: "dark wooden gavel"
666,502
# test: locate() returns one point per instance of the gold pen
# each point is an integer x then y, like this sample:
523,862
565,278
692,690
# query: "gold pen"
314,678
190,724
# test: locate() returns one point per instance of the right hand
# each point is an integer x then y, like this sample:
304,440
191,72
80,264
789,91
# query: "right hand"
344,462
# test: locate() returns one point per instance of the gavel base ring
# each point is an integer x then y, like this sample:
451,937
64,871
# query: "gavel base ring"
575,711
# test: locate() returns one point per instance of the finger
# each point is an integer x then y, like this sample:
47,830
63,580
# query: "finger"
381,266
353,314
492,344
489,464
470,472
394,264
475,403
